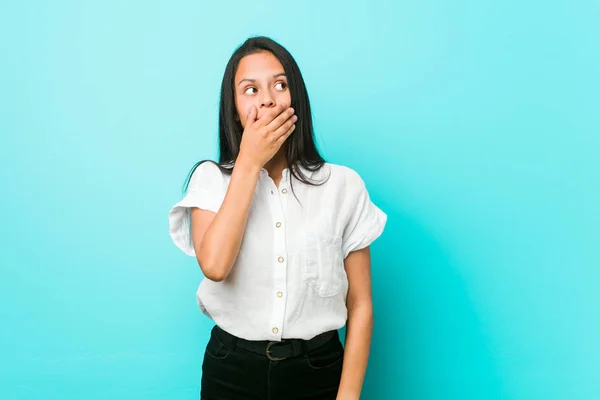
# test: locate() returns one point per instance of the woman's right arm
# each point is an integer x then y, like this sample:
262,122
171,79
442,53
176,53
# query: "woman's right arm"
217,237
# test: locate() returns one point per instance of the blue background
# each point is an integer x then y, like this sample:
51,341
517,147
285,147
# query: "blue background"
475,125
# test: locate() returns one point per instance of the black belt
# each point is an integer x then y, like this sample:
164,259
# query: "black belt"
275,351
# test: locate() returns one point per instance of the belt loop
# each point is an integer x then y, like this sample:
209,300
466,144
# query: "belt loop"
304,346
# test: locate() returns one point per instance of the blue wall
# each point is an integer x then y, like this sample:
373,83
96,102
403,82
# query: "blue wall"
475,126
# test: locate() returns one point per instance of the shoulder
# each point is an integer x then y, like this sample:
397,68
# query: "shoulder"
206,167
345,176
205,172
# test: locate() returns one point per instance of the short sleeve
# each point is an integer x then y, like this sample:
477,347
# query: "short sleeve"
205,191
365,222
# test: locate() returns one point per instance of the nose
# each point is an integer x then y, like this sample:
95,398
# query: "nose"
267,100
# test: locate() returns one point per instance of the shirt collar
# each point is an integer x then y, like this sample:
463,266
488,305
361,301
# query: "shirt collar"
305,171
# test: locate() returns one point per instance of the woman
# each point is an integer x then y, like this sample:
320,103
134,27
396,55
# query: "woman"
282,238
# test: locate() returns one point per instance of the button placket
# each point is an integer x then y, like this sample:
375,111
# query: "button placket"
280,262
284,192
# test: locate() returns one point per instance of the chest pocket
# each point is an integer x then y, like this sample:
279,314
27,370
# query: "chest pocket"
322,263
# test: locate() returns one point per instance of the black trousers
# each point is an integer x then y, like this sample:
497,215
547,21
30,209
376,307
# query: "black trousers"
230,372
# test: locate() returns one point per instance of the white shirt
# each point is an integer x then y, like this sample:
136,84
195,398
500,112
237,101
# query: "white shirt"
288,280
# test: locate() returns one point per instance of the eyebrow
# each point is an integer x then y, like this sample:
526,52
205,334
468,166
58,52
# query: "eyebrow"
254,80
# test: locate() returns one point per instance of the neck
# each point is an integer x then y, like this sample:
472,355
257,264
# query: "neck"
277,164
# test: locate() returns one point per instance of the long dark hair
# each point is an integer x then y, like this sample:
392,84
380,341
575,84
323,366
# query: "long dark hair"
300,145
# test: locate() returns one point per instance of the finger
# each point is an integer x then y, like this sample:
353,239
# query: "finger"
287,134
271,114
251,117
282,138
282,118
283,128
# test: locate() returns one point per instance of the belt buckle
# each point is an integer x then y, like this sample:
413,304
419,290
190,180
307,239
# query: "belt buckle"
268,352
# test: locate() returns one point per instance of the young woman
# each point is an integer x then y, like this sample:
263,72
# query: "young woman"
282,238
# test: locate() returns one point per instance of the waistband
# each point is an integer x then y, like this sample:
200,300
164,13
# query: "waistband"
275,351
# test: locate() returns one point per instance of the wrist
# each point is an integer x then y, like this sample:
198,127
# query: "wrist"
342,396
247,166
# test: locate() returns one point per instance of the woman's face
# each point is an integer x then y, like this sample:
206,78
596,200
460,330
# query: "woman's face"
259,81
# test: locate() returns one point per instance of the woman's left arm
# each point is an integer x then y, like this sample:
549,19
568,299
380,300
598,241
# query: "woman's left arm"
359,327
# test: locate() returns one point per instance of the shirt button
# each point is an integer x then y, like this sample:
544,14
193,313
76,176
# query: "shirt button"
280,294
280,259
284,191
275,331
278,224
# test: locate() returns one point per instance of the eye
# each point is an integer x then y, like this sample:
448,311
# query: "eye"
249,88
282,84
